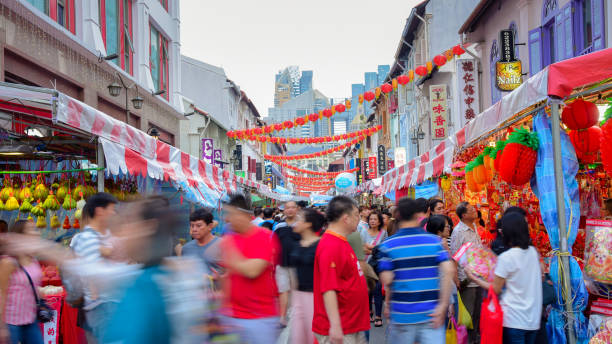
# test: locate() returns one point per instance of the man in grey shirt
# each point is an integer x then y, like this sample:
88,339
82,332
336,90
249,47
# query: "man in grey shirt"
204,246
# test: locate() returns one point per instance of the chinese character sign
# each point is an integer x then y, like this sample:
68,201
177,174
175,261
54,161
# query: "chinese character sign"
382,159
372,167
467,76
207,150
218,157
439,111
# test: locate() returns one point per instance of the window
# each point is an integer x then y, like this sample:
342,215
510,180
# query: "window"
61,11
496,93
116,27
158,60
164,4
588,25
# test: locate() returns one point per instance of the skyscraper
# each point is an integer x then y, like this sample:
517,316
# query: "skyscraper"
371,80
383,71
306,81
289,84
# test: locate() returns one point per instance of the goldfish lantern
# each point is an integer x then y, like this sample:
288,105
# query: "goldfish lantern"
369,96
421,70
327,113
429,66
439,60
348,104
360,99
519,157
587,140
386,88
403,80
377,91
340,108
458,50
394,83
580,115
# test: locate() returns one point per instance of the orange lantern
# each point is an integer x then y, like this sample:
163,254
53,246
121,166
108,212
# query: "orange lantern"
360,98
429,66
347,103
410,75
394,83
377,92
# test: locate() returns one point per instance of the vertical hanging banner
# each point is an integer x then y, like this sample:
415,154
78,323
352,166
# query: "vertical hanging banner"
372,167
366,169
218,157
359,171
439,111
399,156
468,89
382,160
207,150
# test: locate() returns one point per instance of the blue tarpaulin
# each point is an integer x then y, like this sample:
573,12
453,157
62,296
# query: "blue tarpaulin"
543,186
426,190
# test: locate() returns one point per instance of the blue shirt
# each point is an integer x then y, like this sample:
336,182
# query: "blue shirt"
414,257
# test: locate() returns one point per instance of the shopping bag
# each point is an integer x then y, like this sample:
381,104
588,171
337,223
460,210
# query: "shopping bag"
462,334
491,320
451,332
465,318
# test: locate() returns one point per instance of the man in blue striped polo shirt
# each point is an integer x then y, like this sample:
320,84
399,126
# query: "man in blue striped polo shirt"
417,274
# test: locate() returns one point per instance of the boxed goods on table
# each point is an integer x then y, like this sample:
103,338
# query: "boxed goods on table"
478,259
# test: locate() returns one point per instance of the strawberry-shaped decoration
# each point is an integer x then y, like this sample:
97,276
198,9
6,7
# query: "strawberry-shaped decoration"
519,157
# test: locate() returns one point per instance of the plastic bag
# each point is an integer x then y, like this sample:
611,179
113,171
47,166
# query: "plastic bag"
462,333
491,320
465,318
451,332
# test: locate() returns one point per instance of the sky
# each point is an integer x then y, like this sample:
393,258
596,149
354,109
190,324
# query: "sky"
338,40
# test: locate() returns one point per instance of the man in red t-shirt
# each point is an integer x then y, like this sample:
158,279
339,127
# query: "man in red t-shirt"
250,255
340,291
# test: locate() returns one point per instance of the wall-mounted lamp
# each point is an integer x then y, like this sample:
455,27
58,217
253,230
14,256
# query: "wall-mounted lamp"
153,132
158,93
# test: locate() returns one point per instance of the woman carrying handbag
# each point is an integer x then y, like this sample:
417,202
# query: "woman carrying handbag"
19,277
518,270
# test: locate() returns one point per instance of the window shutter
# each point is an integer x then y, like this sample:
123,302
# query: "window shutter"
564,42
535,50
598,24
559,43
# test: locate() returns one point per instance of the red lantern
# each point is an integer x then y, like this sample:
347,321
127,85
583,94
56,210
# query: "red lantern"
252,138
344,136
439,60
586,141
580,115
403,79
353,134
300,121
458,50
258,131
340,108
230,134
278,126
327,113
421,70
379,127
240,135
274,140
336,137
369,96
361,138
386,88
293,140
282,140
328,139
268,129
248,132
288,124
313,117
261,138
302,140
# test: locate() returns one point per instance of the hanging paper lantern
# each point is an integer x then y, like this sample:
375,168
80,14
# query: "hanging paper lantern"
519,157
230,134
302,140
240,135
293,140
394,83
261,138
377,91
333,109
288,124
300,121
445,183
458,50
496,153
344,136
268,129
257,131
313,117
340,108
278,127
347,104
360,99
327,113
469,178
439,60
421,70
403,80
369,96
386,88
488,161
587,140
274,140
481,173
282,140
253,138
410,75
328,139
580,115
429,66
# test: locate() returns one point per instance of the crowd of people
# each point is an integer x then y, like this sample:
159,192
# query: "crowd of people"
296,274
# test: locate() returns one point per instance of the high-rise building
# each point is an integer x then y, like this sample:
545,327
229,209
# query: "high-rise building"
311,101
306,81
383,71
371,80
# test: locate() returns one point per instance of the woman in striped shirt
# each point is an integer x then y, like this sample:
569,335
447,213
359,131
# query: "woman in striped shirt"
17,297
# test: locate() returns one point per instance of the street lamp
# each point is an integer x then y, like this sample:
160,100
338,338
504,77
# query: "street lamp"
417,135
114,89
153,132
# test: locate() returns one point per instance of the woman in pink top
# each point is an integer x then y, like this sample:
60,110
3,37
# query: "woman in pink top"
17,297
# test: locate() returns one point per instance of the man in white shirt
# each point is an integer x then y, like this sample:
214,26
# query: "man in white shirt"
258,213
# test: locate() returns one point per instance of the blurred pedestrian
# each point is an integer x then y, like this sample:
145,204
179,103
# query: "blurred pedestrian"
250,255
309,223
374,235
436,206
3,226
518,273
364,213
268,221
470,292
20,276
205,246
258,213
422,209
87,245
441,225
416,272
340,291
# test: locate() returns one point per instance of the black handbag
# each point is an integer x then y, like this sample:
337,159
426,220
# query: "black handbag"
44,312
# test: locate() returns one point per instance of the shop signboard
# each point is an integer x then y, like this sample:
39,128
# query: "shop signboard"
218,157
372,167
400,156
390,165
439,111
208,150
240,174
365,170
468,89
508,69
382,160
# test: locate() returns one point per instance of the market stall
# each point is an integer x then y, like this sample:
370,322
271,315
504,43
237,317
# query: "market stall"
516,152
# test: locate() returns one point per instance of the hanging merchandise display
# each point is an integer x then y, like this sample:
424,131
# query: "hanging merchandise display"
519,157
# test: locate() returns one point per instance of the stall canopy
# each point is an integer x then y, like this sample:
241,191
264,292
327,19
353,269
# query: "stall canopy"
556,80
128,150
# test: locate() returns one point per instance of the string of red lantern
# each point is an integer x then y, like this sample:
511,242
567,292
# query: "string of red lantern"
310,179
422,71
316,173
311,140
